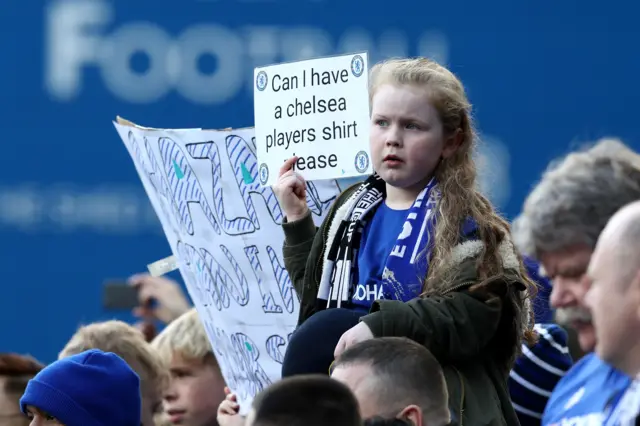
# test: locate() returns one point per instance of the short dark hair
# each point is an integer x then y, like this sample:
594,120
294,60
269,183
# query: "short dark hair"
306,400
407,372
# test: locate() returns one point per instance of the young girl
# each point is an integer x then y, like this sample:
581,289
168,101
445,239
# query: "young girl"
415,246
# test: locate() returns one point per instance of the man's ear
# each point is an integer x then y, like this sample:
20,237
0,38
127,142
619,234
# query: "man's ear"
452,143
412,413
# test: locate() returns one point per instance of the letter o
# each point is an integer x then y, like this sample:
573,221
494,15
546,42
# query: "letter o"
117,73
226,81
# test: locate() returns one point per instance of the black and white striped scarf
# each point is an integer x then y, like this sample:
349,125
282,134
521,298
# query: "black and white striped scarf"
337,284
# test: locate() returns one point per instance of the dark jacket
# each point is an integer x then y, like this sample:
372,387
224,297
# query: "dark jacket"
469,332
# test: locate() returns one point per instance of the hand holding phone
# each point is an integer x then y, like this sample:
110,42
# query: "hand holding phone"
160,298
118,295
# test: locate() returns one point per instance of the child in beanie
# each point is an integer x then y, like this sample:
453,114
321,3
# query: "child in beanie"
93,388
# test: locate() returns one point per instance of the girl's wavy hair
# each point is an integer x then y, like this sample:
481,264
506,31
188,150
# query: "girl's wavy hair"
456,176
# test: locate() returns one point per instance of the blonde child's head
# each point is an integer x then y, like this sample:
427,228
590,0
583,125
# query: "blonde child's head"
197,385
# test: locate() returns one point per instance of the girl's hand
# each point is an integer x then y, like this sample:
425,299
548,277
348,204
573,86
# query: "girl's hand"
355,334
228,410
291,190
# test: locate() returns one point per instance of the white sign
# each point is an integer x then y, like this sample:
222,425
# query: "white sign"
225,230
317,110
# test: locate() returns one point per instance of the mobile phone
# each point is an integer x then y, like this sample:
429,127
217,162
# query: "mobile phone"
119,296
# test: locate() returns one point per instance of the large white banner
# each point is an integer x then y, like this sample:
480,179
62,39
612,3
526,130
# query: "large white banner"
225,230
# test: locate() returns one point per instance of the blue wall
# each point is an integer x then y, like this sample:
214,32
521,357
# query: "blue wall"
542,76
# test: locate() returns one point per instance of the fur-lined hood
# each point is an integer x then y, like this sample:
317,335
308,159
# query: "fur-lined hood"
506,250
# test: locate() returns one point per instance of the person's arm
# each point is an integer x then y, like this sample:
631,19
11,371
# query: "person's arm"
456,326
171,300
298,239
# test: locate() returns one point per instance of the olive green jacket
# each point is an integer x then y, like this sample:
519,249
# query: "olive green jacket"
470,332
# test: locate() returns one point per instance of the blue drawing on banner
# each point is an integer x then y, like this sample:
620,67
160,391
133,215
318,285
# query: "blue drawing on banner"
264,173
276,347
164,189
239,359
191,281
261,80
361,161
186,189
211,291
240,153
247,178
357,66
215,287
243,163
238,290
178,171
250,354
269,304
285,286
316,204
167,210
208,150
273,345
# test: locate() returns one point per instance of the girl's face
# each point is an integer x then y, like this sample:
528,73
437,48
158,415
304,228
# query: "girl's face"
406,138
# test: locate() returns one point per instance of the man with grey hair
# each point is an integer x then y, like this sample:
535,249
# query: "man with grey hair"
614,298
560,224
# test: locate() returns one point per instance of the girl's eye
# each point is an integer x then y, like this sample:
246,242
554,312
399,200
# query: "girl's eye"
381,123
413,126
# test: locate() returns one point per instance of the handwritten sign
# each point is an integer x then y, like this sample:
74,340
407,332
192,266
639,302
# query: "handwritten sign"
317,110
224,228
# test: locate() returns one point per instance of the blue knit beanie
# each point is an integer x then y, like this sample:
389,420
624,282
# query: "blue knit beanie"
537,372
93,388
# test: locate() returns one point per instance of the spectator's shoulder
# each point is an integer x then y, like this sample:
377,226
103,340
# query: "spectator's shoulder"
587,366
550,352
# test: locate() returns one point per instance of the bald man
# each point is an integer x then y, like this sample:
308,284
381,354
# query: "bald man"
614,301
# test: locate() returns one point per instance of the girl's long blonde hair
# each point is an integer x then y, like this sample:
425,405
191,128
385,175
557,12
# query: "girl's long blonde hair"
456,175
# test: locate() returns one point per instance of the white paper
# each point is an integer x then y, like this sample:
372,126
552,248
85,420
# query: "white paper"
317,110
225,230
163,266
